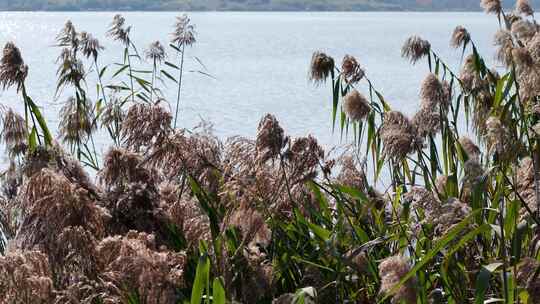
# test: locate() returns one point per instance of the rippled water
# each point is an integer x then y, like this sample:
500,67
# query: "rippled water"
259,60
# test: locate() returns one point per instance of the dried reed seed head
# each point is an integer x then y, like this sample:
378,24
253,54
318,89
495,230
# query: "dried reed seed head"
528,78
184,31
427,121
534,48
522,57
68,36
449,214
399,135
525,184
420,197
321,67
26,275
117,30
76,121
447,89
90,46
469,147
356,106
132,263
524,7
13,71
70,69
505,45
473,172
497,137
51,203
73,256
351,174
304,155
270,138
14,133
491,6
145,124
432,92
524,30
184,212
155,52
415,48
121,166
112,113
351,70
460,37
392,270
441,184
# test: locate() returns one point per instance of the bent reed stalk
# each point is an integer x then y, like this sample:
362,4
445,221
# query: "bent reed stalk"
178,216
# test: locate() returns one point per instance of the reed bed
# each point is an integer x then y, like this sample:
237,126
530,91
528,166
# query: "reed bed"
180,216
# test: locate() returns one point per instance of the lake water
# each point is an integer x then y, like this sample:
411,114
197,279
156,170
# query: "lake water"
259,60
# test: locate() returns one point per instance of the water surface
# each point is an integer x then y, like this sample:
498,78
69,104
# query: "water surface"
259,60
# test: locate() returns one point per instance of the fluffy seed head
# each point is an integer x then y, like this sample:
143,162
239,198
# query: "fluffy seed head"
351,70
13,71
90,46
184,31
26,275
415,48
469,147
427,122
322,66
432,92
145,124
68,36
505,45
356,106
155,52
76,121
460,37
392,270
524,30
270,138
524,7
117,30
399,135
522,57
491,6
14,133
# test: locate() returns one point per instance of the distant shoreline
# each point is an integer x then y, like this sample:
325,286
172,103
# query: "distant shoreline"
237,11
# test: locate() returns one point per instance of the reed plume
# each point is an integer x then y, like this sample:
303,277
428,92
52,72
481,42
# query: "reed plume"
155,52
460,37
14,133
90,46
399,135
351,70
392,270
524,7
270,138
491,6
133,263
26,278
415,48
505,45
145,124
356,106
118,31
184,32
76,121
322,66
13,71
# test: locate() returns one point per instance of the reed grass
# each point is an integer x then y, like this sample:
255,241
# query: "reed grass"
180,216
